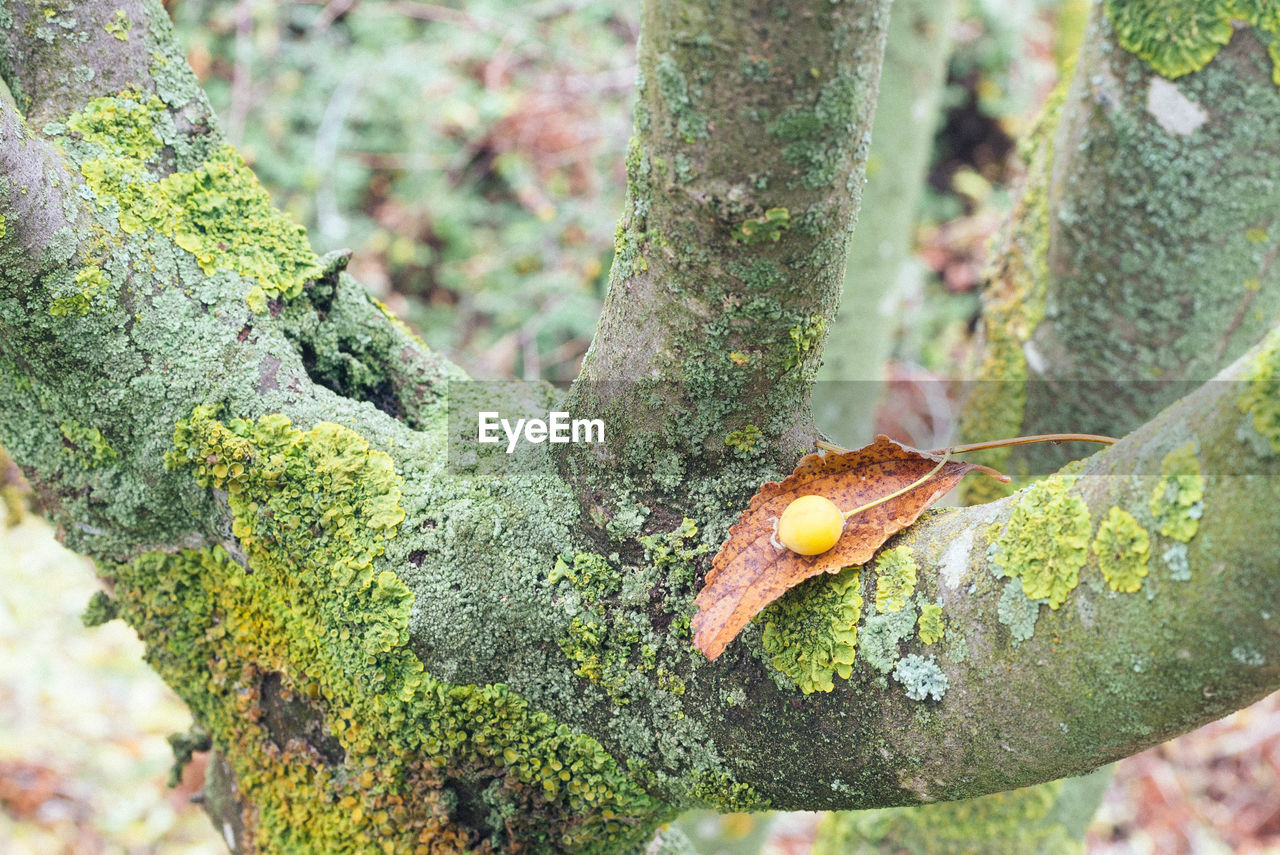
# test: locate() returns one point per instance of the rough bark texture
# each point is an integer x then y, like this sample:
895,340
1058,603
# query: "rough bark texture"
1141,259
752,130
400,639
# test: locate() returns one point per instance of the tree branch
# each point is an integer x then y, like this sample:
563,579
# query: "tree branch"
56,57
389,643
752,128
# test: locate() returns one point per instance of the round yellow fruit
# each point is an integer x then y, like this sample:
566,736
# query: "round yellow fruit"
810,525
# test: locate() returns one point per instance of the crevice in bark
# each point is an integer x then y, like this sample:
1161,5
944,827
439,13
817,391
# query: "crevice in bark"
288,717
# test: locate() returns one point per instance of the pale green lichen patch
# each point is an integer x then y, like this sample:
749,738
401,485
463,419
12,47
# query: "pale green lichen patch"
811,633
1177,502
88,444
1260,396
689,121
297,663
881,635
931,625
1122,547
1177,37
1248,656
1046,540
218,212
921,677
1016,611
1175,558
895,579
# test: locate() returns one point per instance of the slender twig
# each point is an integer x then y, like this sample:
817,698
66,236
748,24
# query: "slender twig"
995,443
1028,440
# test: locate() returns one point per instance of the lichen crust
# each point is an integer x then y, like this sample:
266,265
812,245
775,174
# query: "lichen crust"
1122,547
295,659
811,633
1046,540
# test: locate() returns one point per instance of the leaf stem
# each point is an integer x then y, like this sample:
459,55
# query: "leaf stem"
996,443
896,493
1028,440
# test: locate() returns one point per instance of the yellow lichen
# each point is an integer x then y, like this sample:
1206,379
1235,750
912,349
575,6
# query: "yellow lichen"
369,744
1177,502
812,631
931,624
1122,547
1046,541
895,579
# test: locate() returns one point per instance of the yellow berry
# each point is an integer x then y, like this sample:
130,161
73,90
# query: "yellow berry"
810,525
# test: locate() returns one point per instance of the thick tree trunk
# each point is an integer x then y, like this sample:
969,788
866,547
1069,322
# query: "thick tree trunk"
1140,260
397,638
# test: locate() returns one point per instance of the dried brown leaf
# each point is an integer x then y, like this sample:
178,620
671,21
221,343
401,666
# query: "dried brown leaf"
750,572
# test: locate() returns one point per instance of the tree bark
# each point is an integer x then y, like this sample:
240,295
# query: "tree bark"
398,638
1141,258
752,130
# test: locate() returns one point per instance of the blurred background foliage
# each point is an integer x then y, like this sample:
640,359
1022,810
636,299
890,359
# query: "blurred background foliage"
471,155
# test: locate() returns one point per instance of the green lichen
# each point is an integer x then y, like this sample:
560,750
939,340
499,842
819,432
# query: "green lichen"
590,574
1122,547
762,229
4,226
610,636
296,662
881,635
1260,393
1177,502
895,579
101,608
921,677
603,649
931,625
805,339
1018,612
744,440
1046,541
690,123
119,26
1175,558
88,444
674,556
811,633
89,284
725,794
1177,37
813,137
218,212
